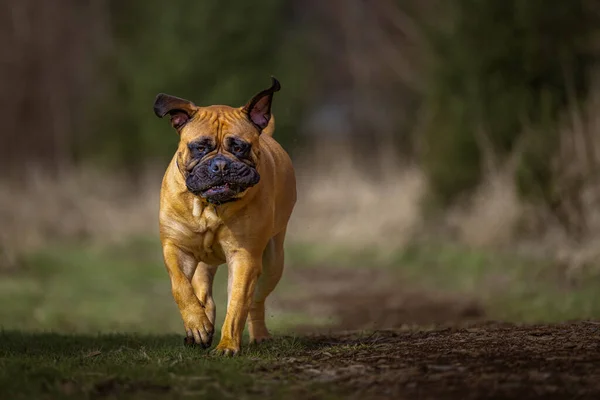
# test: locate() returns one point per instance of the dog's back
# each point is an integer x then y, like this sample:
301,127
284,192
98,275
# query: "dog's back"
279,175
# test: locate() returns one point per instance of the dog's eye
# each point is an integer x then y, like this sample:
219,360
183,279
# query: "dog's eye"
238,147
198,148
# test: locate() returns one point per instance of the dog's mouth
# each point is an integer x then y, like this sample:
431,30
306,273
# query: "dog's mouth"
221,193
220,190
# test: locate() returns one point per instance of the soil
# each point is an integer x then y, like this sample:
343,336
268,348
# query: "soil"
458,357
369,299
481,361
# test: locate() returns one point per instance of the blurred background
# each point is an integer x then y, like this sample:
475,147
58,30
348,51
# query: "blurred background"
447,155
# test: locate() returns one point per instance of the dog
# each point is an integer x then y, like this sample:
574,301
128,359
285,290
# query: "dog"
226,197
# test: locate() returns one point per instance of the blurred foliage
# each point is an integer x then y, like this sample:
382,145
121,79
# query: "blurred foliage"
491,77
498,70
208,52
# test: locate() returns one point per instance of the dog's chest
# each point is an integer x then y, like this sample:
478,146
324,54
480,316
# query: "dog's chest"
197,233
205,225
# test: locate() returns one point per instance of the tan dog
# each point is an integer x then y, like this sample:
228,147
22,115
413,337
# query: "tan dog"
226,197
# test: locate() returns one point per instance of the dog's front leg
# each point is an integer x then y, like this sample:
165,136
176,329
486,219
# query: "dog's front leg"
244,269
181,267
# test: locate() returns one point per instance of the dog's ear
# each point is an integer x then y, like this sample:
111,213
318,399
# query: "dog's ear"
259,107
180,110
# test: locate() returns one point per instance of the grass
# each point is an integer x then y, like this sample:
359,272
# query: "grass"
53,308
121,366
92,288
125,288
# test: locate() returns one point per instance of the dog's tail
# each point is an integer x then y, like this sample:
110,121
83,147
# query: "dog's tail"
270,128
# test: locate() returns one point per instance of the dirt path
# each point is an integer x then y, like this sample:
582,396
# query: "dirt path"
470,359
483,361
369,299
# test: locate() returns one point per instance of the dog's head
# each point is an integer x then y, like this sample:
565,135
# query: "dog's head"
219,150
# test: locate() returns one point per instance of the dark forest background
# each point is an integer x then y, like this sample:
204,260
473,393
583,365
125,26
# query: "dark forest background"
446,81
464,91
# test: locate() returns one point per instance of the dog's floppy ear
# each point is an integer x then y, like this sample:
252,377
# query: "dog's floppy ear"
259,107
180,110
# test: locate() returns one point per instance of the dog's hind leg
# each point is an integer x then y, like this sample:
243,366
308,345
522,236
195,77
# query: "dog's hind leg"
202,281
273,258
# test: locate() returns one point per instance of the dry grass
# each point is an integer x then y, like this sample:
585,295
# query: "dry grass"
80,204
491,216
566,227
576,242
341,206
341,202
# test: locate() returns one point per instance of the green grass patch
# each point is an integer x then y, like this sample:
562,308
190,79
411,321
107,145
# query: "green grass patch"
111,288
125,288
121,366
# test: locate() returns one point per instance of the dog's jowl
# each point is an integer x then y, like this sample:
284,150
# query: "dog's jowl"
226,197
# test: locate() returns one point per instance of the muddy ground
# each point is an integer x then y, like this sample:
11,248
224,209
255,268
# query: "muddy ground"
431,345
483,361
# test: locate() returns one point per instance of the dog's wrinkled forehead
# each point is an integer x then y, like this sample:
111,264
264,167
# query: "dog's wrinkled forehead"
218,122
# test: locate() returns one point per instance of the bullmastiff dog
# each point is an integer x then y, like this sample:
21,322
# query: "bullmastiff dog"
226,197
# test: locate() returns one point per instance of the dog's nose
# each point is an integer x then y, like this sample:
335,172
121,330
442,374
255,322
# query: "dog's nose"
219,164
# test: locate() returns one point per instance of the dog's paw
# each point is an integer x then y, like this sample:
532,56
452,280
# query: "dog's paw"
226,350
199,331
260,339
